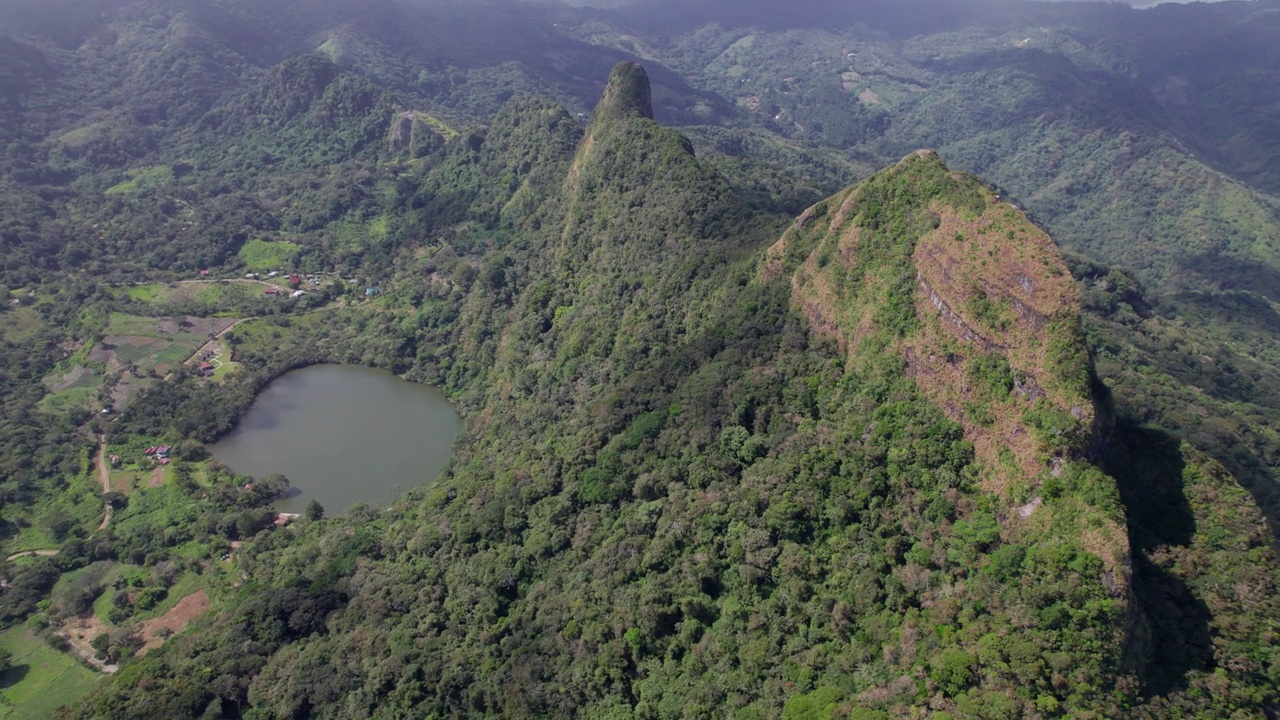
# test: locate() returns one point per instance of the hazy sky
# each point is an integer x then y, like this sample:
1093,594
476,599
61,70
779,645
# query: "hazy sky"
1143,3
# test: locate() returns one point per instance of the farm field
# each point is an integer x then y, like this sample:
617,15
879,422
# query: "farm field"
134,352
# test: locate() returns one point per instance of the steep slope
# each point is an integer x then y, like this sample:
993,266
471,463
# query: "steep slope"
996,341
996,313
927,268
851,475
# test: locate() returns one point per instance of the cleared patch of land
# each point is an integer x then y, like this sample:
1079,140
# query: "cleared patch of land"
268,255
80,632
155,631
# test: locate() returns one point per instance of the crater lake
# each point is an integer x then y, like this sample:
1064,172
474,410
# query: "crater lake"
343,434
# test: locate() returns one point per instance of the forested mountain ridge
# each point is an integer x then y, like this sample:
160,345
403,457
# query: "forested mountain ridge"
1084,113
677,494
725,455
1132,156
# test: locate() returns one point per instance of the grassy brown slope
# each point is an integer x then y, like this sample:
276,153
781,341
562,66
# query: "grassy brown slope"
931,268
992,284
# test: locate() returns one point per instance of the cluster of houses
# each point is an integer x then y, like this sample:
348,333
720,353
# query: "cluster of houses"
274,291
205,367
159,454
295,281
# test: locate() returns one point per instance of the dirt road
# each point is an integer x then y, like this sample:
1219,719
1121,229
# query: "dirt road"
31,553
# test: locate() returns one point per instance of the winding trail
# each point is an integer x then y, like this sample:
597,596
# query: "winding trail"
31,553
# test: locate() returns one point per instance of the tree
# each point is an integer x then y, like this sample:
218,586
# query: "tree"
6,661
117,500
315,511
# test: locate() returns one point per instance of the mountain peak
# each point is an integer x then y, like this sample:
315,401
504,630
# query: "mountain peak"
977,286
628,93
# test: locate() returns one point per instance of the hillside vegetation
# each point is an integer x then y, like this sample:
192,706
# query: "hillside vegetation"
678,493
754,428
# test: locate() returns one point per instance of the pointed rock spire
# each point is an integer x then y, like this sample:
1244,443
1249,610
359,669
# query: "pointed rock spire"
627,93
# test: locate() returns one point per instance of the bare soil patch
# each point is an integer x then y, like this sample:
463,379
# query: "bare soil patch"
79,631
174,621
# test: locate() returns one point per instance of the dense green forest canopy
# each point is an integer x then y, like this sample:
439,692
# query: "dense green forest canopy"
753,427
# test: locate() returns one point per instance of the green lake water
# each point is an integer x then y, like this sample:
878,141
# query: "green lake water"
343,434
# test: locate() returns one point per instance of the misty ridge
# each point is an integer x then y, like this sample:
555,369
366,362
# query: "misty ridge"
907,17
903,16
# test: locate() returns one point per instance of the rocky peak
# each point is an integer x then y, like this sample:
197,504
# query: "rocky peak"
627,94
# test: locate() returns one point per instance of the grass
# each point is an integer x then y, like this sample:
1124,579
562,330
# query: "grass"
150,293
141,179
82,136
150,348
186,583
437,125
18,324
102,606
35,537
122,479
42,679
220,297
268,255
220,373
123,324
226,293
72,397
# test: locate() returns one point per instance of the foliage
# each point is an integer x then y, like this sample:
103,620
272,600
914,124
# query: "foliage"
677,495
736,481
